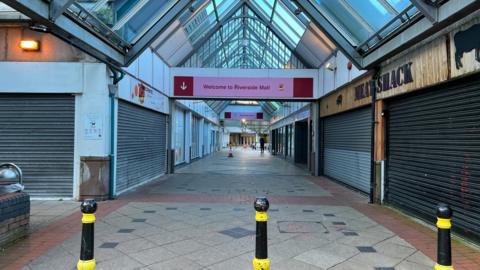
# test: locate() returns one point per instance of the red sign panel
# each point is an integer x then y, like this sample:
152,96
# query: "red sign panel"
236,87
183,86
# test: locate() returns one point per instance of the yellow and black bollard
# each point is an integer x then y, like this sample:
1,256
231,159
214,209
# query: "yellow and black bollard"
87,261
444,248
261,260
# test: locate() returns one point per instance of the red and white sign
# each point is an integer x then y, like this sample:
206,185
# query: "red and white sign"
244,115
236,87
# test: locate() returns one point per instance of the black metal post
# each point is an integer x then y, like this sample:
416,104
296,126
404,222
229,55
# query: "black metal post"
87,261
444,248
261,260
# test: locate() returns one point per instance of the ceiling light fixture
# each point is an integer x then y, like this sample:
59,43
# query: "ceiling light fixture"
331,66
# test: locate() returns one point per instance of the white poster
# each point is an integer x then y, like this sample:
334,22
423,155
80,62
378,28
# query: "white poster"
93,127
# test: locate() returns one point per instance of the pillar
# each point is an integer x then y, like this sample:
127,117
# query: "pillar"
379,147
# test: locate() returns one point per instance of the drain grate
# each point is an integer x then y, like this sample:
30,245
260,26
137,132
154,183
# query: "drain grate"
301,227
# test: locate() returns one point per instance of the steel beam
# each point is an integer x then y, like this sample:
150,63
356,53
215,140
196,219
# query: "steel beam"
157,29
39,12
57,7
335,36
430,12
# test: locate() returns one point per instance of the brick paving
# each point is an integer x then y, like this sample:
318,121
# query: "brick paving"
202,218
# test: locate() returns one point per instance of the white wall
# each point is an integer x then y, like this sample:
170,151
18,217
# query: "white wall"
87,81
330,80
92,103
41,77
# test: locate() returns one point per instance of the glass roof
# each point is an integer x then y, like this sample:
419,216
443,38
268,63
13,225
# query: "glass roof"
266,25
127,20
243,39
366,22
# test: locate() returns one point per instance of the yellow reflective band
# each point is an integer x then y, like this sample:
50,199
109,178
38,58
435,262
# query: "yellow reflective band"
261,216
443,267
86,265
261,264
88,218
443,223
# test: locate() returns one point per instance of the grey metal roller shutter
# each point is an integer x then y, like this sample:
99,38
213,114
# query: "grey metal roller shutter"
141,145
37,133
434,154
347,148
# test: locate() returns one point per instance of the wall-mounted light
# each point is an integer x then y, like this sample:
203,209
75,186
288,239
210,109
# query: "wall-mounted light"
30,45
331,66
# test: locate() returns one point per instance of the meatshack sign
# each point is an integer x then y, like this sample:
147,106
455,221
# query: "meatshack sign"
387,81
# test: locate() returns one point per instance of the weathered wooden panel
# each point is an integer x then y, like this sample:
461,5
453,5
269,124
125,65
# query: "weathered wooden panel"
429,66
465,48
345,98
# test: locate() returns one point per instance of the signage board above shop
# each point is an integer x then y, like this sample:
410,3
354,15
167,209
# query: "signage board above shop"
137,92
390,80
243,87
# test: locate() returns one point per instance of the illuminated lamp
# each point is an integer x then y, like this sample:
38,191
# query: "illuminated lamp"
30,45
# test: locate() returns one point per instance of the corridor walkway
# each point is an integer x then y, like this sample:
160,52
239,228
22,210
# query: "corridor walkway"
202,218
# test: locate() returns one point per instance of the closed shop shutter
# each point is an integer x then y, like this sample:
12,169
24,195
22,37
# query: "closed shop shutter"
347,148
141,145
434,154
37,134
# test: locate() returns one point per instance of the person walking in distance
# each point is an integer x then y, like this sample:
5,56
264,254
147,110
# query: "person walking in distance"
262,145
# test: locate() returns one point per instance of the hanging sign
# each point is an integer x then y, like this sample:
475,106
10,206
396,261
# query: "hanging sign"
237,87
243,115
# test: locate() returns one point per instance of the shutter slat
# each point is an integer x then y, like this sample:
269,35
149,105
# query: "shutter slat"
141,145
37,134
434,154
347,143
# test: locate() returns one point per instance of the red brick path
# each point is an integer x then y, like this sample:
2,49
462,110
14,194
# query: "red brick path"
32,247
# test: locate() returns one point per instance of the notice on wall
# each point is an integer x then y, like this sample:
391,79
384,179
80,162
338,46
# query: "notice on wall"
237,87
93,127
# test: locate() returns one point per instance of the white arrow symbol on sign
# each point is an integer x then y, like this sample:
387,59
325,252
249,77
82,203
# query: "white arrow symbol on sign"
183,86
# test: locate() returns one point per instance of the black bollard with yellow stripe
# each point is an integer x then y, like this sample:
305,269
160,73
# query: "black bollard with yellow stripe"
444,249
261,260
87,261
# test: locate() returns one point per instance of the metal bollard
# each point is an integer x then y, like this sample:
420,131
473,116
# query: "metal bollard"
444,248
87,261
261,260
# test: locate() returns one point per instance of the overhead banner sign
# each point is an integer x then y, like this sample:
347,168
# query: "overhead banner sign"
237,87
244,115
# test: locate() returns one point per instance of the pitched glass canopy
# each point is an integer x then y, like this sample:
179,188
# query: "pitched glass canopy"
118,31
365,23
232,34
244,41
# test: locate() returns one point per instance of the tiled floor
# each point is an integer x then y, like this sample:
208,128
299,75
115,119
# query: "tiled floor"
203,218
44,213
